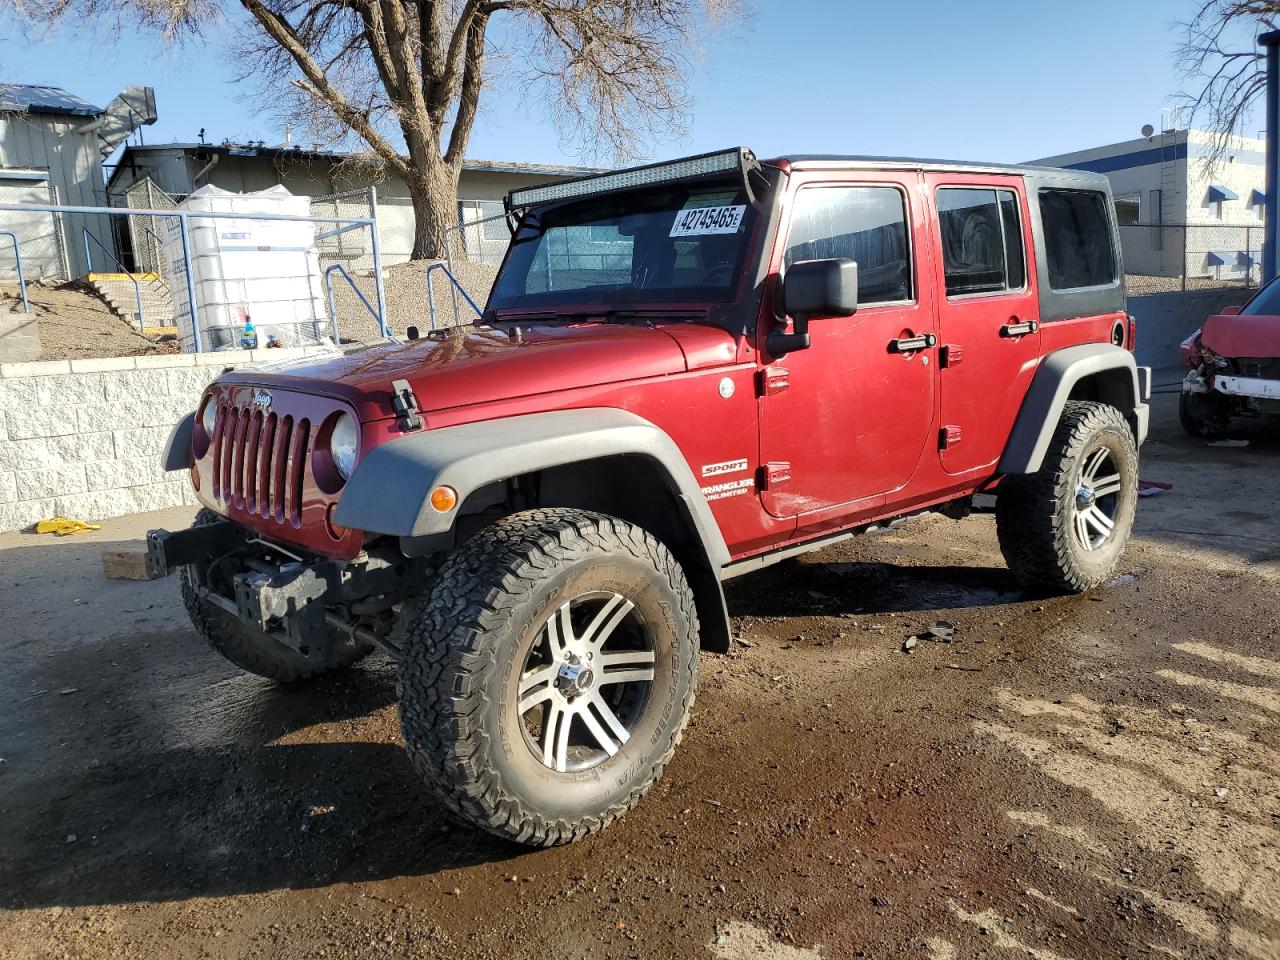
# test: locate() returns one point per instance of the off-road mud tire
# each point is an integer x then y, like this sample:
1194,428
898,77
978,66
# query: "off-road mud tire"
463,657
1203,415
248,649
1035,512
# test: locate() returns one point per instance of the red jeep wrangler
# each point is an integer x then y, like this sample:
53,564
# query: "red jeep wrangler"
685,372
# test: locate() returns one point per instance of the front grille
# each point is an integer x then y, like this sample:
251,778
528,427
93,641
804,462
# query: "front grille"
259,462
1264,368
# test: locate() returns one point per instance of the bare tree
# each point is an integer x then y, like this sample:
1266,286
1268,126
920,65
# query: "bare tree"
612,71
1220,57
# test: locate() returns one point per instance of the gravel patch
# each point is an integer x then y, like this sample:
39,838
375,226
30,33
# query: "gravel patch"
405,287
1138,285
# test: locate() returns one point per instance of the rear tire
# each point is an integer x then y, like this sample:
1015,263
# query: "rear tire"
1064,527
529,629
248,649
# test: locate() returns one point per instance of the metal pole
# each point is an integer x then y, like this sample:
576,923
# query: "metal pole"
185,233
377,261
88,255
1185,229
333,307
448,259
17,259
1271,223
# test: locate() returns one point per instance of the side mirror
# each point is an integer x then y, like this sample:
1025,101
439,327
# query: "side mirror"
1229,311
814,288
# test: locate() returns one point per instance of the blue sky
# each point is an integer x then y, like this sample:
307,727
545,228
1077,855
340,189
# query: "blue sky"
995,80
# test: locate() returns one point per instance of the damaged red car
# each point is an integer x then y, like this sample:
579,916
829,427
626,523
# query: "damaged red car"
1234,361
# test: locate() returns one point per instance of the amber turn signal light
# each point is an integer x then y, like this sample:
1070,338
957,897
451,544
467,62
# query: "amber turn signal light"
444,498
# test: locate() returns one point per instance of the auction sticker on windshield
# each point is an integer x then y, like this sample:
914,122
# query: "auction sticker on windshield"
696,220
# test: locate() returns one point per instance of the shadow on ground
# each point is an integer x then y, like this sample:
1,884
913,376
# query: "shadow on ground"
157,823
818,587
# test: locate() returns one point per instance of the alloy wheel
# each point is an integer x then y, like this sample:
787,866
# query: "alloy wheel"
1097,499
585,681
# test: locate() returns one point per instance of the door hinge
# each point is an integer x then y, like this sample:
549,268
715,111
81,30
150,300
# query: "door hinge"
774,474
948,436
951,355
773,380
405,405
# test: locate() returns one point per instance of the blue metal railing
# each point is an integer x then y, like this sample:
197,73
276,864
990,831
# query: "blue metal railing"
137,287
431,298
184,231
17,256
333,310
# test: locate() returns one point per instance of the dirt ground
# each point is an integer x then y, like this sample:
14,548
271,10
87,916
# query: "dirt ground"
1087,777
74,322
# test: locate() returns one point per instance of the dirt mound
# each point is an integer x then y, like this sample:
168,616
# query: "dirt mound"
75,323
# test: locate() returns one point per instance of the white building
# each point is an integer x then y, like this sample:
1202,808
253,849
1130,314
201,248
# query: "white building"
1178,213
52,145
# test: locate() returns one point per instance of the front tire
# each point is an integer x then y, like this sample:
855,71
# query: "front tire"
1203,415
1064,527
548,675
248,649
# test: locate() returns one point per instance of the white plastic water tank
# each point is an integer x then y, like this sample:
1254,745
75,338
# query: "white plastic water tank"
265,270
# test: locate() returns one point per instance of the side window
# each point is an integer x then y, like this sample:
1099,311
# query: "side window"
1077,239
982,248
864,224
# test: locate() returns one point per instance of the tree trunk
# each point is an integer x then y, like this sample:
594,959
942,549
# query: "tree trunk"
435,210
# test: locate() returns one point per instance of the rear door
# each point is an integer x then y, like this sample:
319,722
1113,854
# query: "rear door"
988,314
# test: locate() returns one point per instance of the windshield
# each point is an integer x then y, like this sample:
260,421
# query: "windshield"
666,244
1266,303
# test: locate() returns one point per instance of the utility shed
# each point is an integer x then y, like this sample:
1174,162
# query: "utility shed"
52,145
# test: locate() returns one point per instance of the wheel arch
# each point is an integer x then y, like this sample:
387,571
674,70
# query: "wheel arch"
603,459
1094,371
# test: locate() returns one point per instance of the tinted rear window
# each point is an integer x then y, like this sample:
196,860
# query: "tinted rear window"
1077,239
981,240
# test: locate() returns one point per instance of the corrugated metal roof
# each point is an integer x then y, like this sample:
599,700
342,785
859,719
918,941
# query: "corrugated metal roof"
252,150
29,98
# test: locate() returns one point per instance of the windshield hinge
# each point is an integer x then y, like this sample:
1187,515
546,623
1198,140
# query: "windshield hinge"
405,404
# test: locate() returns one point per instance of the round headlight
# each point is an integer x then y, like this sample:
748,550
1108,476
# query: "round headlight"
209,418
342,445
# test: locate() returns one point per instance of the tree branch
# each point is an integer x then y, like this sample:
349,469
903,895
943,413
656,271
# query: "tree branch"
319,86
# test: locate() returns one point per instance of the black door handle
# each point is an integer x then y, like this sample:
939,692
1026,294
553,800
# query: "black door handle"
1018,329
911,344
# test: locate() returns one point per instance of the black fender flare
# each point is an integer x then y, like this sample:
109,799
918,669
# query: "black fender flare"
177,449
389,490
1054,381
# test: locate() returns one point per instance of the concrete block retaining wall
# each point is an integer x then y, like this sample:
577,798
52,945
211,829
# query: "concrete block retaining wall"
1166,319
82,438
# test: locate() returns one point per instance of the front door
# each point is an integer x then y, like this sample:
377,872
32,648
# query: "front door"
988,317
846,421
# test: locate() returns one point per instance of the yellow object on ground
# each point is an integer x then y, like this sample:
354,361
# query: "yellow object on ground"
62,526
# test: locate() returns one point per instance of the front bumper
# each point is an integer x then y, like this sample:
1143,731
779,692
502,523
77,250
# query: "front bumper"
1253,388
306,602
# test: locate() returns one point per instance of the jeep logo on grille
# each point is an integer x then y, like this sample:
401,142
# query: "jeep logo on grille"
261,398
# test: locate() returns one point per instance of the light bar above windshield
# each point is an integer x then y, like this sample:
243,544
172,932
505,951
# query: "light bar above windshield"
739,160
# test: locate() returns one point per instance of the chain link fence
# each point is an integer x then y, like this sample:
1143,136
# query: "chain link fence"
145,252
42,237
1160,258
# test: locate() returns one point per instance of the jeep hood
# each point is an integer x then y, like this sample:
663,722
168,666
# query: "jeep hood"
1242,336
474,365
